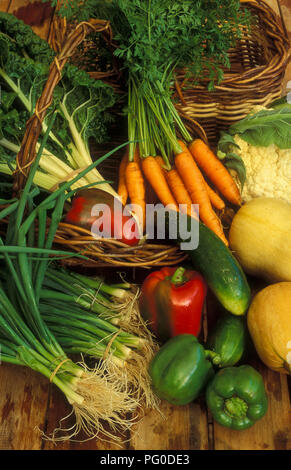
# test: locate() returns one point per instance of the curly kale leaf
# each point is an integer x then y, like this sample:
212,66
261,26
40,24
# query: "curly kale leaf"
12,124
24,77
86,101
22,40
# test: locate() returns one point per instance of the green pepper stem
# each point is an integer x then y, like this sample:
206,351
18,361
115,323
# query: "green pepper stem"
213,356
235,407
178,276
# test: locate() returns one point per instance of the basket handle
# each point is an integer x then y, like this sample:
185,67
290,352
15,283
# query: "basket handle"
27,152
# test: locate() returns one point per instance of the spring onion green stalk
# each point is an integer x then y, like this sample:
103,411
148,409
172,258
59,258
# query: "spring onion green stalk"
48,294
82,331
25,337
73,281
88,321
85,313
113,290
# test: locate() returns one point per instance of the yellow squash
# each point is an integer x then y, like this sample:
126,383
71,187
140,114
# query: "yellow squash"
260,238
269,324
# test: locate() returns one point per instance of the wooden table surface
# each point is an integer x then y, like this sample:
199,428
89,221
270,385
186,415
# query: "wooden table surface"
28,404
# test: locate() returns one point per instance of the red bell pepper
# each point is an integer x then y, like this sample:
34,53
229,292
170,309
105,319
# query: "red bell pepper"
171,301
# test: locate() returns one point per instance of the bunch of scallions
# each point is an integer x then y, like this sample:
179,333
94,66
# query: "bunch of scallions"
40,324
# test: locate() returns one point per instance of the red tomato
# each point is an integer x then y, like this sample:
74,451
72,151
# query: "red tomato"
104,216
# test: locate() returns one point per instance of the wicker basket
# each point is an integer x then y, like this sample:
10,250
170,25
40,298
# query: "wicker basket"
86,55
100,252
258,64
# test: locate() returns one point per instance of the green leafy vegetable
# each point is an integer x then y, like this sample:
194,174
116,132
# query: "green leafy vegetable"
81,104
267,127
260,129
232,161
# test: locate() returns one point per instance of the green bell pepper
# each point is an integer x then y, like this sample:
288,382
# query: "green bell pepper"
236,397
180,370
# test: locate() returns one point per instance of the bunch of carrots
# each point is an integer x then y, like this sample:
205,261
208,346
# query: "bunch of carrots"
178,179
154,39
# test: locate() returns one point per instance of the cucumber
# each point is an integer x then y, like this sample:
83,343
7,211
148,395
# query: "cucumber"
227,342
222,272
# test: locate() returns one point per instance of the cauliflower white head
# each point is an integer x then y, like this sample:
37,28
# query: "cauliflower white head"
268,171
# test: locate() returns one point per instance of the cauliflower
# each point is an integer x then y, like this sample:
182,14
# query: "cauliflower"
268,171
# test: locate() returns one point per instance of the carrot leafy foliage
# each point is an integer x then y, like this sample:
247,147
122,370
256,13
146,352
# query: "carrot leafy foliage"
156,35
154,39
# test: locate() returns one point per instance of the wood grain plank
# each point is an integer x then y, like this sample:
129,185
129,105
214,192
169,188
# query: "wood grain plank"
273,431
59,409
23,404
43,29
175,428
60,412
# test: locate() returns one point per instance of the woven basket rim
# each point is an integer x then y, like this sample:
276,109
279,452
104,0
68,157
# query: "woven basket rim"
250,81
251,77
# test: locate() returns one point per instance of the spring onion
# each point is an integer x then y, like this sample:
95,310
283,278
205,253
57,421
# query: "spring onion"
25,337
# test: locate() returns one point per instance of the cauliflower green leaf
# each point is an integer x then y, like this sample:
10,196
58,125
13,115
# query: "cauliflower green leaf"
267,127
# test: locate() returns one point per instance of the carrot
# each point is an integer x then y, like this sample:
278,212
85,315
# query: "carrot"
136,156
195,184
156,177
215,199
161,162
177,186
122,188
136,187
178,189
215,170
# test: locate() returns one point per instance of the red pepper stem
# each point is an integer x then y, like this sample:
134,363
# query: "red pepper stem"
178,276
